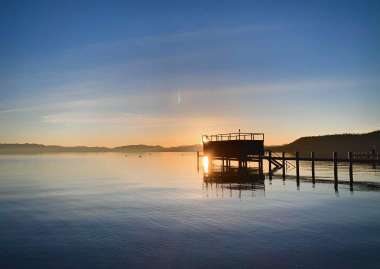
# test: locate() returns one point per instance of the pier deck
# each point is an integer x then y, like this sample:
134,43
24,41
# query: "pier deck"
234,145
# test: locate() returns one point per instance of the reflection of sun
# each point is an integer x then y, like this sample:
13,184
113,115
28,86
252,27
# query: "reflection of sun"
205,164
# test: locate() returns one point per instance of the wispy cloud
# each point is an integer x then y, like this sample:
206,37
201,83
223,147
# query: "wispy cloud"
44,106
133,120
194,35
167,100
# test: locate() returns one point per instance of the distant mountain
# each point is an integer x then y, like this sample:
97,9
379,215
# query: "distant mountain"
147,148
189,148
38,148
138,148
326,144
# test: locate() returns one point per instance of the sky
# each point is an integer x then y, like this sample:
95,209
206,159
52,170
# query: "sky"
112,73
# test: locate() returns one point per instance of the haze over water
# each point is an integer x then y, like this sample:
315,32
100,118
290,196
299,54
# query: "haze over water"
111,210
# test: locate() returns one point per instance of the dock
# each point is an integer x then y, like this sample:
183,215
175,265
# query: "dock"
245,148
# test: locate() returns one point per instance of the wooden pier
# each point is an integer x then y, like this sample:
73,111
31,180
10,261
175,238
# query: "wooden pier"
245,148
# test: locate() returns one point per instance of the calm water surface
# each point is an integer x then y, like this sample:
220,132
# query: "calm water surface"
117,211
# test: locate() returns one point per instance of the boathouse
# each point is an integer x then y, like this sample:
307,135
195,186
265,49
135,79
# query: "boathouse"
235,146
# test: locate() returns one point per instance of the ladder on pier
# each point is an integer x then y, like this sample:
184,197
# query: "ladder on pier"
277,164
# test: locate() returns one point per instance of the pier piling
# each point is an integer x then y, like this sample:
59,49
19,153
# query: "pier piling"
298,167
198,161
312,155
335,160
351,171
270,164
283,166
374,159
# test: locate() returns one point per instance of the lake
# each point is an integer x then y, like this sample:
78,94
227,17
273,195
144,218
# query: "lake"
153,210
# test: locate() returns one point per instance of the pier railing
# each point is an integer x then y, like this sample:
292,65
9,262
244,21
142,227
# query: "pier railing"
233,136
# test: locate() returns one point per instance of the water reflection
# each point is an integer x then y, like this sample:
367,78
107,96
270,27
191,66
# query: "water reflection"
99,205
217,179
205,164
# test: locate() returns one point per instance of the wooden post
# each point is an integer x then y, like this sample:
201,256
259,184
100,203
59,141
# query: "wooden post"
335,160
313,167
298,167
373,158
270,164
351,171
198,161
260,163
283,166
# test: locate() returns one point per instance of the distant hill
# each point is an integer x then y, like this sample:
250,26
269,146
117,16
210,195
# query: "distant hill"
326,144
138,148
146,148
38,148
189,148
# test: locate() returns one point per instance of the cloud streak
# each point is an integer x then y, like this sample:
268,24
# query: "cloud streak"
130,120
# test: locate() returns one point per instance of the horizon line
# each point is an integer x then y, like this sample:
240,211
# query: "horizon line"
182,145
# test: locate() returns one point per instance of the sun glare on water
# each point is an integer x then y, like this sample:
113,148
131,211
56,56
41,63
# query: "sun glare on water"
205,164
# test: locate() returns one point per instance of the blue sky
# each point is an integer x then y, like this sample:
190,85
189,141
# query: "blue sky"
164,72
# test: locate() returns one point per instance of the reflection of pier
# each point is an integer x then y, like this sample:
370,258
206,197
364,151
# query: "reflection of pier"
234,176
233,179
